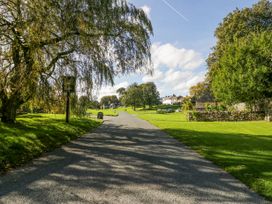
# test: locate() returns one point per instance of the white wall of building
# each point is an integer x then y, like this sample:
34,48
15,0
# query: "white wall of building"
167,102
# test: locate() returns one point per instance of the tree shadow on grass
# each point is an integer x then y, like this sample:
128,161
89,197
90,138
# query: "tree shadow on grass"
247,157
26,140
30,116
119,162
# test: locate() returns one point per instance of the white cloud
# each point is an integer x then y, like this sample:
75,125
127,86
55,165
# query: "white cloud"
184,86
180,84
173,57
111,90
147,10
175,69
158,75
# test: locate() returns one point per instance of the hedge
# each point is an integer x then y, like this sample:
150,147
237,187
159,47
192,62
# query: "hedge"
225,116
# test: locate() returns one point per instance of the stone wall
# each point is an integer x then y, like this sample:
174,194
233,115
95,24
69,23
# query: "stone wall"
225,116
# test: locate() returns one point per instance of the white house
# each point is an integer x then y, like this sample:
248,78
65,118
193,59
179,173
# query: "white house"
170,100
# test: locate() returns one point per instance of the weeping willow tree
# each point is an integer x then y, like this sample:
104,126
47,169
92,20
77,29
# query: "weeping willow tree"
95,40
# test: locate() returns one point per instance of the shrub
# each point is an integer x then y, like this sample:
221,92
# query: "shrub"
163,111
163,106
210,107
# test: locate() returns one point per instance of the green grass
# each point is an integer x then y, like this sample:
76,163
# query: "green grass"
106,112
243,149
34,134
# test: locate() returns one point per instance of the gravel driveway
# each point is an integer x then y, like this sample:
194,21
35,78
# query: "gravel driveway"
125,161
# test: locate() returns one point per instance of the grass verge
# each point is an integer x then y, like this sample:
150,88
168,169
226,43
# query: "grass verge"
244,149
106,112
34,134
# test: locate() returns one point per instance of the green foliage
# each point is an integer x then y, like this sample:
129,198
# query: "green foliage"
187,104
211,107
94,104
225,116
133,96
202,91
34,134
151,96
164,106
92,40
141,95
121,91
107,101
81,106
164,111
240,64
241,23
241,148
245,70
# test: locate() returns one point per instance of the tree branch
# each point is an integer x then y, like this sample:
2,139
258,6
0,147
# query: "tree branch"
70,34
58,56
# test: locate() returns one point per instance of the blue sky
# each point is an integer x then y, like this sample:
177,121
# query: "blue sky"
183,38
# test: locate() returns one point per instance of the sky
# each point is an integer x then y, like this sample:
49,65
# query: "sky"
183,38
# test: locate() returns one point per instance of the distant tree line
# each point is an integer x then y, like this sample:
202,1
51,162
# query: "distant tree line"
135,95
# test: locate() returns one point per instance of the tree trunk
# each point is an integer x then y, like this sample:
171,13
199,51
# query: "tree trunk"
68,107
8,111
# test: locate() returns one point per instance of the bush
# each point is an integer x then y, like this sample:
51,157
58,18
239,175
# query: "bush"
163,111
163,106
187,105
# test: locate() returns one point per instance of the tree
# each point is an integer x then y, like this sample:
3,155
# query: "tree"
187,103
94,104
140,95
114,100
81,106
92,40
133,96
121,94
245,70
106,101
151,95
240,64
201,90
121,91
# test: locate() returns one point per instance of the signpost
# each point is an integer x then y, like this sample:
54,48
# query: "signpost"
69,86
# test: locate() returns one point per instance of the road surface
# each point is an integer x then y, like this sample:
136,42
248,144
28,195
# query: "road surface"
125,161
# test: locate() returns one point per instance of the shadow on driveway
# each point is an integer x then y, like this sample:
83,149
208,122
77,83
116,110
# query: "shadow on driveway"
126,160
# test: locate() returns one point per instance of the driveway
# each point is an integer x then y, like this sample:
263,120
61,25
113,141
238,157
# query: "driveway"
125,161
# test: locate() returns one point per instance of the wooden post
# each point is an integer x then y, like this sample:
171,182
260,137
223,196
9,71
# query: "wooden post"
69,86
68,107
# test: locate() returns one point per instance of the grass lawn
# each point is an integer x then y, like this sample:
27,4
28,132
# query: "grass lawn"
34,134
243,149
106,112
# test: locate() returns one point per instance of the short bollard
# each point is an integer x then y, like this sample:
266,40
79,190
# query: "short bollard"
100,115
